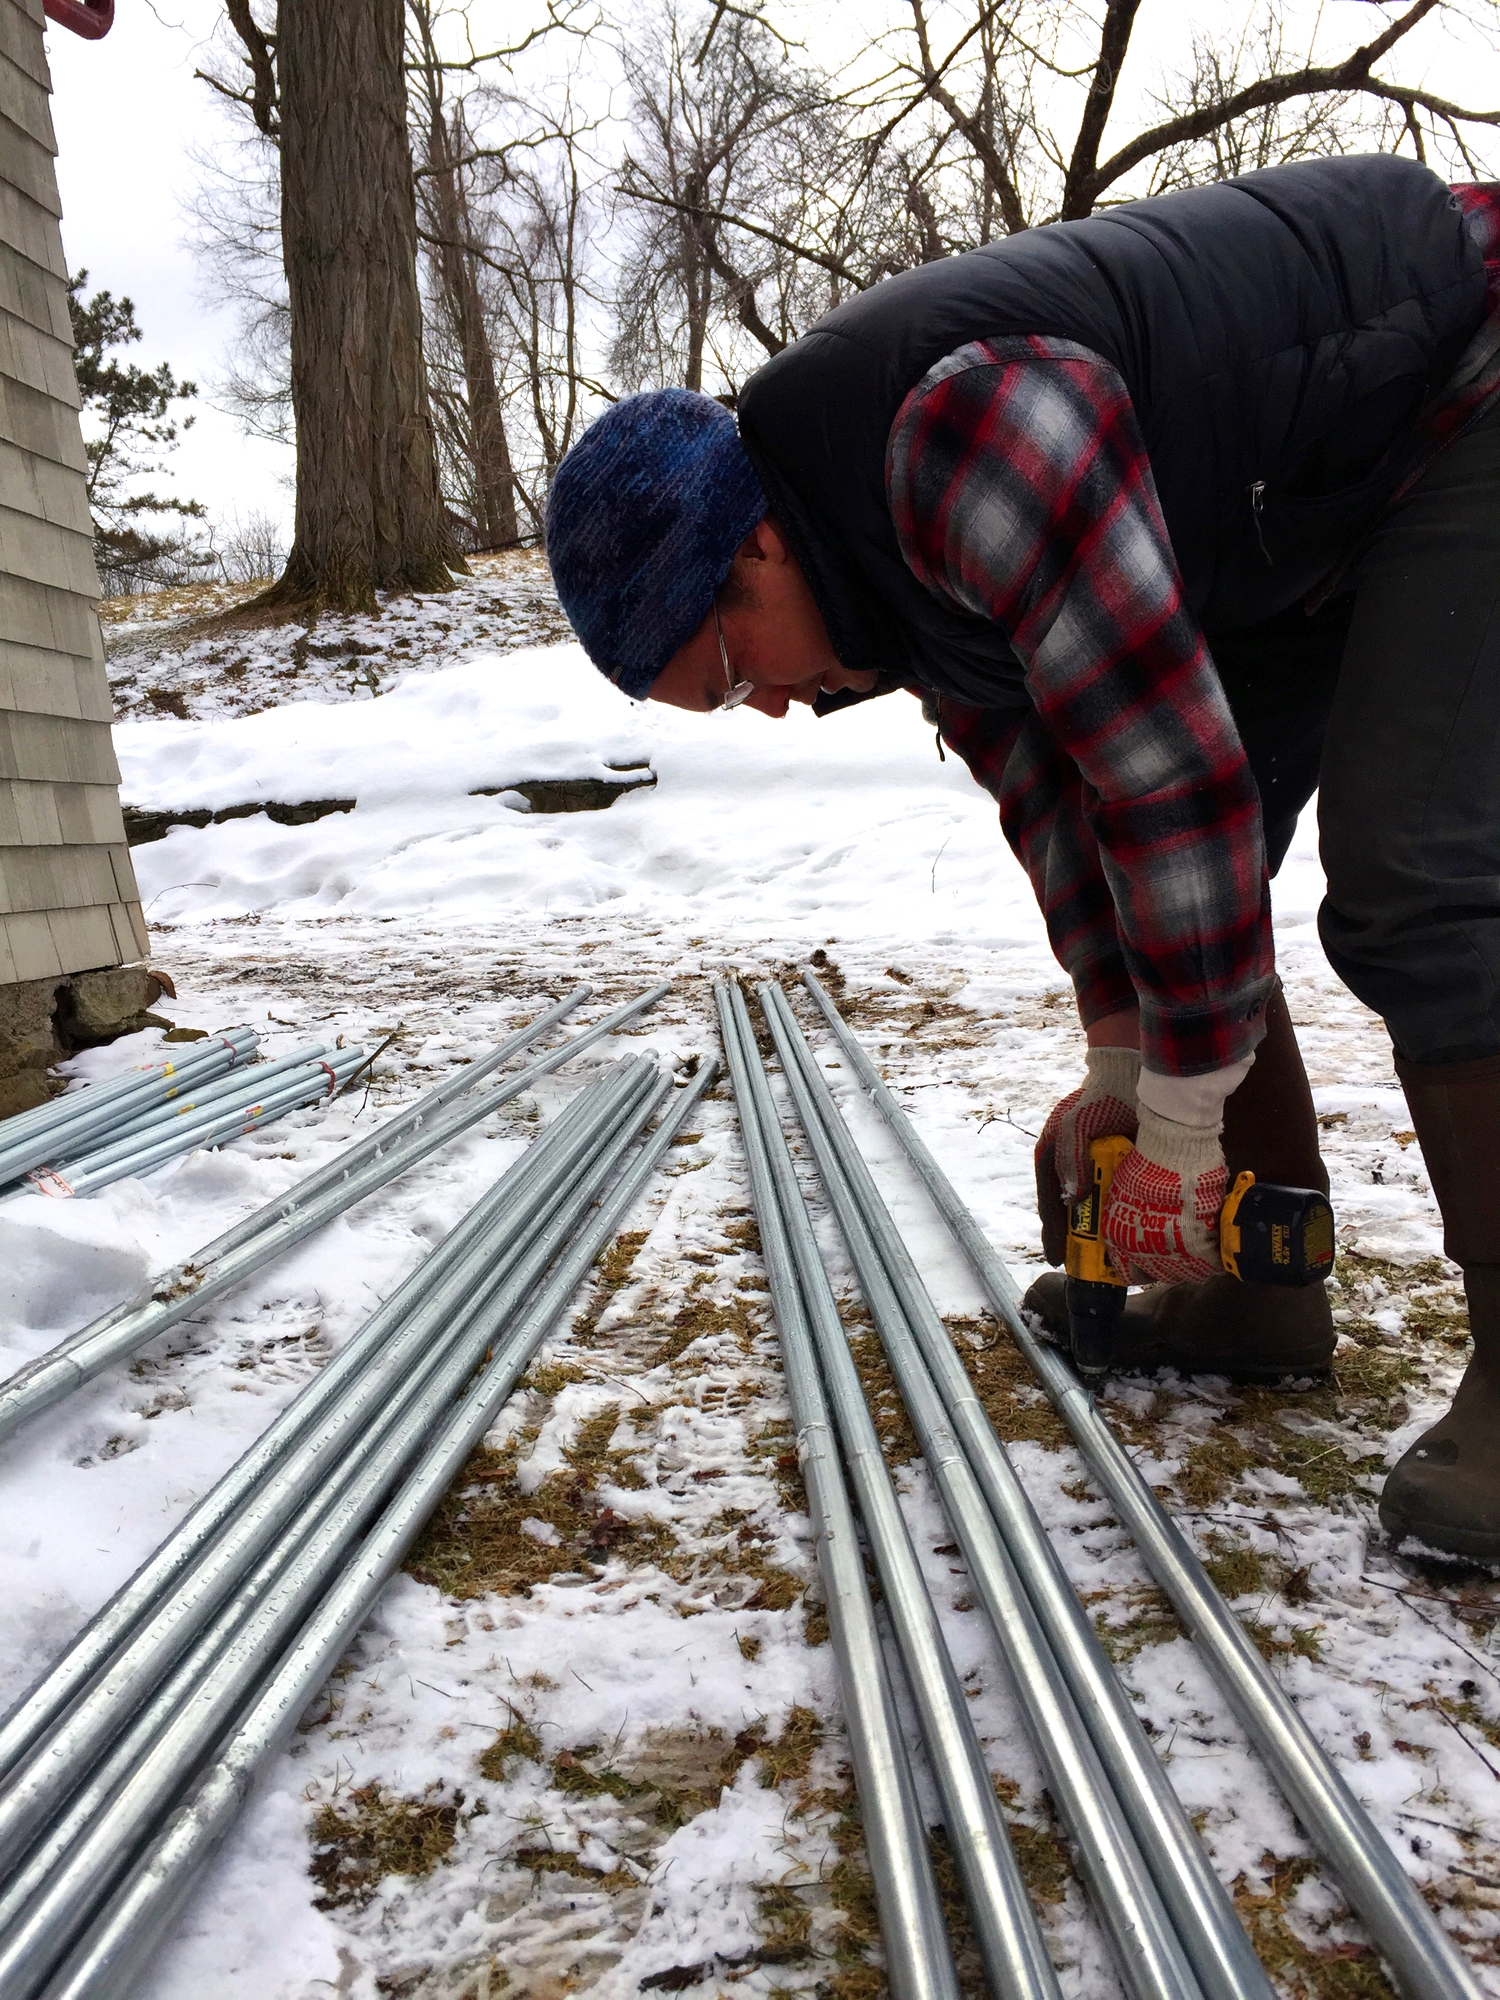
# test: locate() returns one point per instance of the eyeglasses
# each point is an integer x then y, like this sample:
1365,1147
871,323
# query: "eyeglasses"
735,691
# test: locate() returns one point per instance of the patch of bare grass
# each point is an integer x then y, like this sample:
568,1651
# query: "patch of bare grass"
361,1839
612,1275
1135,1618
558,1861
1303,1971
1005,1385
700,1315
518,1741
475,1542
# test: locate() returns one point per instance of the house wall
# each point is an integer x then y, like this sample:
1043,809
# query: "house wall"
68,897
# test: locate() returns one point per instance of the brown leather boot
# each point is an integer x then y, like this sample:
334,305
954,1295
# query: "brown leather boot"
1445,1491
1219,1326
1269,1334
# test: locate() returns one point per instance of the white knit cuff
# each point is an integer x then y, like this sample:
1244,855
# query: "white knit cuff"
1188,1150
1192,1100
1112,1073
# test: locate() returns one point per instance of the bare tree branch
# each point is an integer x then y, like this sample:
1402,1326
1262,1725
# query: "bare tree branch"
555,19
260,54
1418,146
723,7
245,98
742,290
997,170
835,266
1353,74
1119,19
472,155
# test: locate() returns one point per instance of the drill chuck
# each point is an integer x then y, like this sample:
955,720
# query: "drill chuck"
1093,1310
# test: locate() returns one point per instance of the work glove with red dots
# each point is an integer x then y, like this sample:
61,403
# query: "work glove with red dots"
1161,1221
1104,1106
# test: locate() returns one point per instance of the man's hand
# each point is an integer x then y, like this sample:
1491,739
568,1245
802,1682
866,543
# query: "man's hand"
1105,1105
1161,1221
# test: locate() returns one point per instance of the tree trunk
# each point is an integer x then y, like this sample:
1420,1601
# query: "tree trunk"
494,483
369,507
697,281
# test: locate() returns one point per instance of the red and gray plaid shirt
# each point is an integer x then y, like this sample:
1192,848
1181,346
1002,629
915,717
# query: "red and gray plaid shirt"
1021,490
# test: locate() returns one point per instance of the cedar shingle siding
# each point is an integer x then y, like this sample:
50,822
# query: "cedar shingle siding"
68,900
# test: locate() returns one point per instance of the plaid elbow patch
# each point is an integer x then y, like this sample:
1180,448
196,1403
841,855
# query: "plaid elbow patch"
1021,489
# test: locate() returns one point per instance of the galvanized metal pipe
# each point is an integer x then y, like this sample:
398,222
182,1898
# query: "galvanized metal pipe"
171,1069
213,1125
919,1963
1426,1963
255,1625
195,1098
401,1124
364,1368
437,1373
1009,1942
137,1095
110,1957
261,1238
113,1096
1147,1950
1197,1906
199,1093
34,1137
40,1783
384,1143
111,1666
438,1369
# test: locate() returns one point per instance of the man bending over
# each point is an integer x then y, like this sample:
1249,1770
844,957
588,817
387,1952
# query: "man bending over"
1169,517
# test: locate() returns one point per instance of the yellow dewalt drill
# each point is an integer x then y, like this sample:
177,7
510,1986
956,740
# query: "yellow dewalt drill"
1267,1236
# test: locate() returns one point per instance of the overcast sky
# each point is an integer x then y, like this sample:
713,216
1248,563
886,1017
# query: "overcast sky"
128,113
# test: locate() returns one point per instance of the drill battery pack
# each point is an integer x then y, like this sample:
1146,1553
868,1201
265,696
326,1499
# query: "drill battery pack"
1272,1235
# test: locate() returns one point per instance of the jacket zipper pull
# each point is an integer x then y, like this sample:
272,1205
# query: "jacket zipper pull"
1257,500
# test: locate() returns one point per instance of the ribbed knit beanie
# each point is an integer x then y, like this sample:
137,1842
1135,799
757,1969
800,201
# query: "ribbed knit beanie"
644,518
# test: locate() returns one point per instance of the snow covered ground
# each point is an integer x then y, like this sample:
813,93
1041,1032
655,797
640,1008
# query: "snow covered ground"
591,1742
158,667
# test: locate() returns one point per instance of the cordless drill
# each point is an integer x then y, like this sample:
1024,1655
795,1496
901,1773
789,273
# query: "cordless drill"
1267,1236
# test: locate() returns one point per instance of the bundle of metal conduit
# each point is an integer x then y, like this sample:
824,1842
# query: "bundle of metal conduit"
81,1119
1169,1922
828,1410
220,1111
124,1766
401,1143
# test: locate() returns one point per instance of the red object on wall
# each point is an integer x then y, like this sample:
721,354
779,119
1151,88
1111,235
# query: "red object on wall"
89,18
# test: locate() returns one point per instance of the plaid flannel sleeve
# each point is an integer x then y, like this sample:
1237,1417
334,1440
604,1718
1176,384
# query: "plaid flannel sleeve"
1021,489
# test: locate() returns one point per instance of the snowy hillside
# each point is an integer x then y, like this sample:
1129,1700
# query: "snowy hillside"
568,1757
161,663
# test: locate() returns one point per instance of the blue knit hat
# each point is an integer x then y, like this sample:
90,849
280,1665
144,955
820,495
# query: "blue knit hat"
643,521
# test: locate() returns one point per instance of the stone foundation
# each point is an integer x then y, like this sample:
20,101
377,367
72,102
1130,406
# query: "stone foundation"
43,1021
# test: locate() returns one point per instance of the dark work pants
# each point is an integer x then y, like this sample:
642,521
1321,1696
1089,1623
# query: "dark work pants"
1388,701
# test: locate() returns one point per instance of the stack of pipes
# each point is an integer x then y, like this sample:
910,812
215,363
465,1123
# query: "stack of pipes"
210,1116
269,1232
85,1140
1424,1960
123,1767
71,1123
1172,1928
